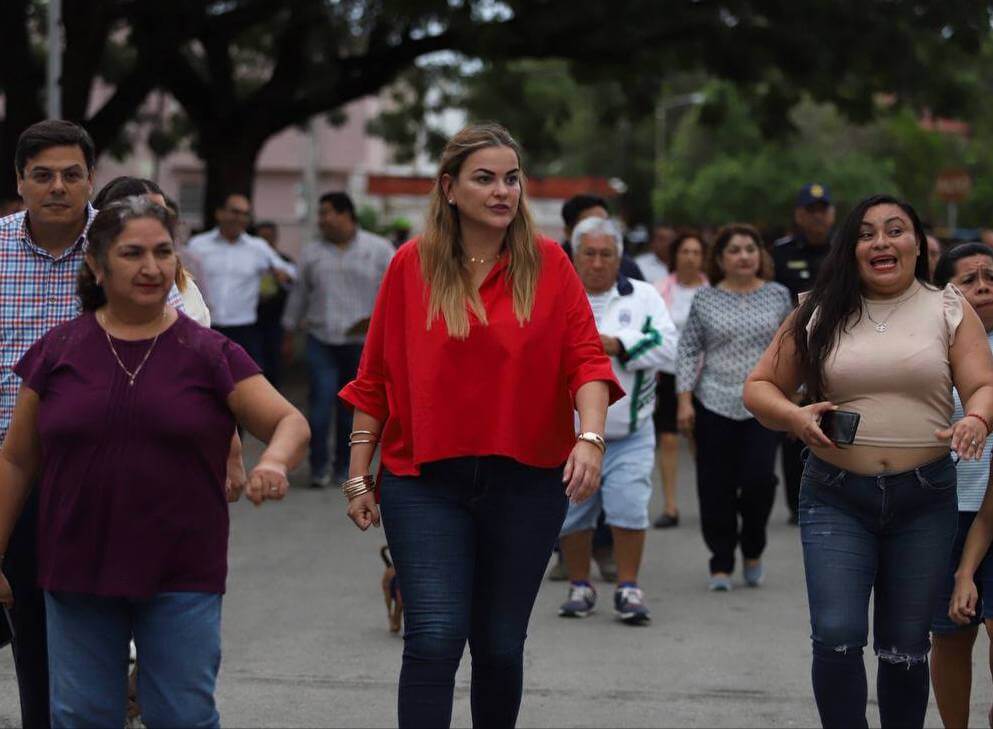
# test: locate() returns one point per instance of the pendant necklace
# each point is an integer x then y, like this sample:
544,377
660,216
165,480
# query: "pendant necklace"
131,375
882,326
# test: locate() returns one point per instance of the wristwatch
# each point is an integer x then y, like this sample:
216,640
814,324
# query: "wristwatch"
594,438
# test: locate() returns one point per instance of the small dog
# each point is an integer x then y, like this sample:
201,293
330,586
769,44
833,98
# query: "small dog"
391,592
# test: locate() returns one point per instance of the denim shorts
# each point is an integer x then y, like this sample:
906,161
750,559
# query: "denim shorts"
626,488
983,578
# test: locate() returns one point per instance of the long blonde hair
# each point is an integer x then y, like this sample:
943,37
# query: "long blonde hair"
440,246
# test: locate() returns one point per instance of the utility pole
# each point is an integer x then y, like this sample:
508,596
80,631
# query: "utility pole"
662,109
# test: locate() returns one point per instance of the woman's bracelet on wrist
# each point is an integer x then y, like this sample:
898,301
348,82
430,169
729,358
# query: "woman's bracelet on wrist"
594,438
358,485
370,439
981,419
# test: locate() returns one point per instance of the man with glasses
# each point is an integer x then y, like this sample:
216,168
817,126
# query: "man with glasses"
232,264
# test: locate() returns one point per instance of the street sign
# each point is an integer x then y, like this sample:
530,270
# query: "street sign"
953,185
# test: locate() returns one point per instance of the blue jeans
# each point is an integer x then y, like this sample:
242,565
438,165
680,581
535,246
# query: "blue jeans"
470,539
330,366
889,534
178,637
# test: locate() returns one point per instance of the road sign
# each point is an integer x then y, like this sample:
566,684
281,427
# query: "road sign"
953,185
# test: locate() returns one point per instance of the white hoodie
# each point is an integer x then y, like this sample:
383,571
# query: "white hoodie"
635,314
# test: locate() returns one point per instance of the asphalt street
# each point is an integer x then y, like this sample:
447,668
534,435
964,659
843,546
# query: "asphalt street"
306,640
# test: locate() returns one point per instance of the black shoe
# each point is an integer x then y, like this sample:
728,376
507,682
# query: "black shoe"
794,519
666,521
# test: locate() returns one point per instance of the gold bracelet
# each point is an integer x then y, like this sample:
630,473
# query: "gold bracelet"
358,486
373,441
356,491
594,438
363,432
367,479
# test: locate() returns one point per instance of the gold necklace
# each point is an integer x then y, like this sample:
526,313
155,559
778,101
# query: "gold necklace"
131,375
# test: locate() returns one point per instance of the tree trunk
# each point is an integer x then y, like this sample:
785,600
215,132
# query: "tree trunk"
229,164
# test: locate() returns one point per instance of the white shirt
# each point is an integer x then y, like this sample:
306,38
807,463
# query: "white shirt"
232,272
652,267
679,306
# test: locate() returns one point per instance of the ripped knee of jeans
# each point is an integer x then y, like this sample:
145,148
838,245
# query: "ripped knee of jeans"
901,658
839,651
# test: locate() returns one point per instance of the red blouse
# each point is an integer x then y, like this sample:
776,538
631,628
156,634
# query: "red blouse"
506,390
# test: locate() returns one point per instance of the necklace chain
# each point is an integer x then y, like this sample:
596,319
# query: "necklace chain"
882,326
131,375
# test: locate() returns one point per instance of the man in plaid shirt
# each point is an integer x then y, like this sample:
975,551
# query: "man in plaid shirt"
41,251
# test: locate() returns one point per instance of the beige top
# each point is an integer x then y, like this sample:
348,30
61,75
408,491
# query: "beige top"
899,380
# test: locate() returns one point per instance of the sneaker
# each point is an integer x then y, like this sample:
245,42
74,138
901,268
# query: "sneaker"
558,572
719,583
320,482
754,574
666,521
604,559
629,606
581,602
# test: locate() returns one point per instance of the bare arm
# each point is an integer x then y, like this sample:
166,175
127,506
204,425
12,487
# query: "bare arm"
362,509
269,417
20,459
768,389
582,468
972,375
962,606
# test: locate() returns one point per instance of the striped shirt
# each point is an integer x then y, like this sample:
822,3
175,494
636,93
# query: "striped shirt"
37,292
972,475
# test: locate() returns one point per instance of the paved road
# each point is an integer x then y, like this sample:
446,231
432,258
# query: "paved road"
306,644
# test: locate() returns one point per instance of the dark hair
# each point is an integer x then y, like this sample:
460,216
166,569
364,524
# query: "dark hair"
678,241
945,268
341,203
106,227
714,271
52,133
837,292
266,224
577,204
228,196
172,205
122,187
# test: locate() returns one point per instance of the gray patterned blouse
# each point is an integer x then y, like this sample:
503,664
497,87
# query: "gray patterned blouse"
724,337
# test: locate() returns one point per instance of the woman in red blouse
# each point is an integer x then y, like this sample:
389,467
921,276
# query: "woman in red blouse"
481,346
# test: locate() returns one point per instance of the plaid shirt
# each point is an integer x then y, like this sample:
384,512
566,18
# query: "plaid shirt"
37,293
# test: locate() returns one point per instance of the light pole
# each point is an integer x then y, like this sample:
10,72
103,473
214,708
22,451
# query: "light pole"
662,108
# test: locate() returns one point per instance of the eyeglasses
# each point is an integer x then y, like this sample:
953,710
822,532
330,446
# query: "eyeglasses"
45,176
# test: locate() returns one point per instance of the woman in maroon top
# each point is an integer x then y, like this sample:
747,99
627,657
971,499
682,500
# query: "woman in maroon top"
481,346
128,411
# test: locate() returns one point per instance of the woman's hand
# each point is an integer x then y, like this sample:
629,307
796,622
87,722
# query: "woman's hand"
962,606
6,594
363,511
685,417
267,481
234,482
806,424
582,471
968,436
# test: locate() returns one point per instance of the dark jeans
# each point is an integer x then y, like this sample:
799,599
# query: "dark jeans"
735,478
792,460
271,350
248,336
470,539
331,366
20,565
891,534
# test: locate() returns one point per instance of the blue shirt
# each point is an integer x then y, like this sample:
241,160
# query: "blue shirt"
972,475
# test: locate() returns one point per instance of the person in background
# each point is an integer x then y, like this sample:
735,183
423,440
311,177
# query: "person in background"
969,267
336,291
639,337
481,347
986,237
678,290
729,326
580,207
934,251
232,264
656,262
139,404
877,517
797,258
272,302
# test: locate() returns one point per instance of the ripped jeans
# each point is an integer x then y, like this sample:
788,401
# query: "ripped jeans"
890,535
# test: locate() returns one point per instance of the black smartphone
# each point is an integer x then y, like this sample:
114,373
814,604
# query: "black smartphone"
840,425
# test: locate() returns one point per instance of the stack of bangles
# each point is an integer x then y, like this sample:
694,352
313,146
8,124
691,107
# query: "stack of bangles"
358,485
370,439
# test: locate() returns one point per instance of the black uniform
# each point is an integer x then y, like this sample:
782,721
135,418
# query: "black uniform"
797,264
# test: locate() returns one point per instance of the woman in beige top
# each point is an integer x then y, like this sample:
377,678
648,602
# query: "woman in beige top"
878,516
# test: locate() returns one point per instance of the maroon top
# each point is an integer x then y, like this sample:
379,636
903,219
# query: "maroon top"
132,486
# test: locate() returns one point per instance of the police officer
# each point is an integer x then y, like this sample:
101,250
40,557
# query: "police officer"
797,258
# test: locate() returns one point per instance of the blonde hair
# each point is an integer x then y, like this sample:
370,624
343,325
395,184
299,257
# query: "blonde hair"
440,246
